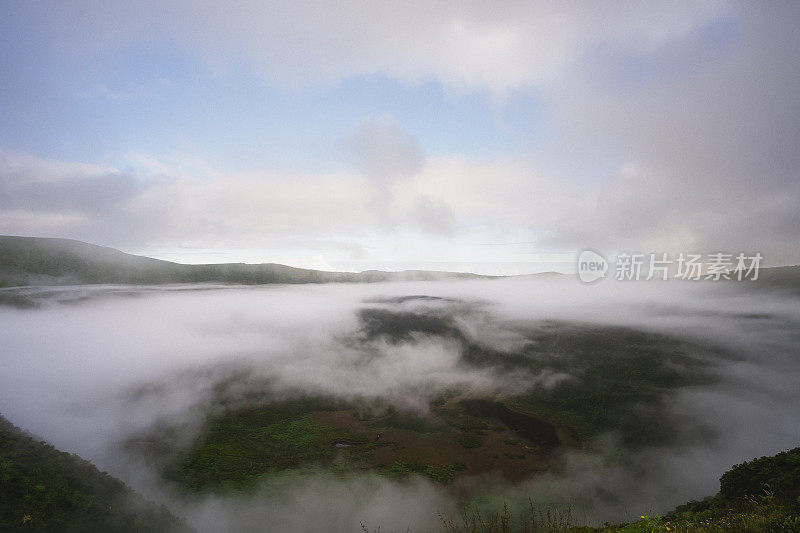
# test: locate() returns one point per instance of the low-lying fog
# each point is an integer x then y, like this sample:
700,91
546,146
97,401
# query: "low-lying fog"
72,366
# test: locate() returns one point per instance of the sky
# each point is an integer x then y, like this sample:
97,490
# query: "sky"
494,137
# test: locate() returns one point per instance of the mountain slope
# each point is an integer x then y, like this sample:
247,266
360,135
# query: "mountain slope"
45,261
43,489
780,278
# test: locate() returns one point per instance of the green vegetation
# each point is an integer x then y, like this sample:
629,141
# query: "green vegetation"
604,380
440,473
239,446
749,517
47,490
779,475
410,422
43,489
241,443
471,440
48,261
244,440
759,496
611,378
614,380
42,261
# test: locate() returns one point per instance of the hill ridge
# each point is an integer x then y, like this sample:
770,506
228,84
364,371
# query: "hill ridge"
58,261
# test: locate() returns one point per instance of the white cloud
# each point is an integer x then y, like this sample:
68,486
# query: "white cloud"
711,156
706,153
383,151
499,192
464,45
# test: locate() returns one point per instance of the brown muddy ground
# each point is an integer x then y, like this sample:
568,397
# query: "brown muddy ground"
484,436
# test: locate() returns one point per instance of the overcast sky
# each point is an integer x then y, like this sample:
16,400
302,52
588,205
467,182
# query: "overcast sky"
492,137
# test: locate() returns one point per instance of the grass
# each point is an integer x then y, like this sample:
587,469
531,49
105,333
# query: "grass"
43,489
618,377
471,440
750,515
618,382
443,474
242,441
759,496
240,446
533,520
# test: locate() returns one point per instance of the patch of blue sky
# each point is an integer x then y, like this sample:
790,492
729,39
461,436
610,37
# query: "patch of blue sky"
157,99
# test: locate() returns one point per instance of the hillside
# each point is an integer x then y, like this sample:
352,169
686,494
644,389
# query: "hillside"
780,278
759,496
46,261
43,489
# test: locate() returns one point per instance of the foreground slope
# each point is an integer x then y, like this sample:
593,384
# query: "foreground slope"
759,496
44,489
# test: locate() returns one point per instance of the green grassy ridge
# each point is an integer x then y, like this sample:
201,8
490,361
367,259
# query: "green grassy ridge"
778,474
44,489
54,261
46,261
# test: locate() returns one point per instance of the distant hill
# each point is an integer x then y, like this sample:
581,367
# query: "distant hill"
43,489
45,261
787,277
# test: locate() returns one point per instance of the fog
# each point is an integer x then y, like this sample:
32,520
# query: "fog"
90,366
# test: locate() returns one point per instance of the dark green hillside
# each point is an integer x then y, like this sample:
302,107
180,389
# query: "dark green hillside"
42,261
47,261
43,489
760,496
779,474
779,278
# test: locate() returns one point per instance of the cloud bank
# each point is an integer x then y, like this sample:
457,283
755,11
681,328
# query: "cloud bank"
87,374
666,127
